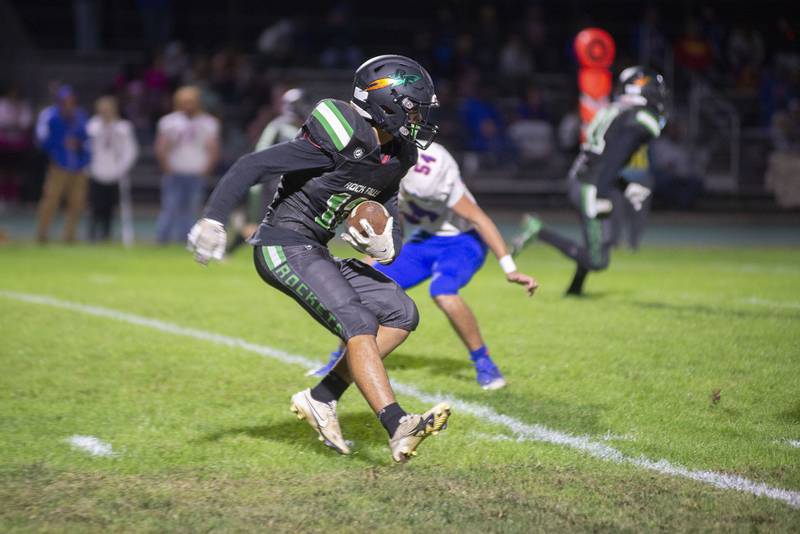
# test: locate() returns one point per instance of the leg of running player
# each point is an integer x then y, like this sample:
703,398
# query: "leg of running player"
396,313
595,256
412,267
352,300
462,320
329,291
457,260
388,339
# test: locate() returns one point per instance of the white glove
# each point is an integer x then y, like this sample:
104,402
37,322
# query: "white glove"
636,195
207,240
378,246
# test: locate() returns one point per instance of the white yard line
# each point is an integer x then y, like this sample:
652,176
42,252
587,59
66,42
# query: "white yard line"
772,303
521,429
91,445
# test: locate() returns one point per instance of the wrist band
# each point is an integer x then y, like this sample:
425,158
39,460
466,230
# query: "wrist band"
507,264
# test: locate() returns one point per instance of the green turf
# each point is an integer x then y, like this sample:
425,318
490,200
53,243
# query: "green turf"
204,438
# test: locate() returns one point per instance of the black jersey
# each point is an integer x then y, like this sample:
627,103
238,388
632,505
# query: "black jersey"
334,164
614,135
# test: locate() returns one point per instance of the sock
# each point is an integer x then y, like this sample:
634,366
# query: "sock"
331,388
576,287
477,354
390,417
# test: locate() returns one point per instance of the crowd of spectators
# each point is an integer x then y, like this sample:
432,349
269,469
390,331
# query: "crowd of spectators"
488,63
494,72
499,73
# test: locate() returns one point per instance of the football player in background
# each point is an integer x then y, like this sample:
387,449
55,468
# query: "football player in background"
635,117
346,153
448,247
295,107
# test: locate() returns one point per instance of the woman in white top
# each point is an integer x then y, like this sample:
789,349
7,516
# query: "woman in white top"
114,150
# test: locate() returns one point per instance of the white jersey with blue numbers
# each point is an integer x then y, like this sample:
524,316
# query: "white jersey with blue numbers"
429,191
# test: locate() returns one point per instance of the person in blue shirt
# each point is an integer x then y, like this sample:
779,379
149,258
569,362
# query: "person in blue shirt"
61,134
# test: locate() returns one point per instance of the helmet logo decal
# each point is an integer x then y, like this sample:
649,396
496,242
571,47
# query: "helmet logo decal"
641,82
398,78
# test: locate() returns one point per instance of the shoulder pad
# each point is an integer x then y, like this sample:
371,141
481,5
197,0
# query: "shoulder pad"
650,123
336,127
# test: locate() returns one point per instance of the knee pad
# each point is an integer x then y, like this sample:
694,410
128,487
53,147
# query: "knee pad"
356,320
403,313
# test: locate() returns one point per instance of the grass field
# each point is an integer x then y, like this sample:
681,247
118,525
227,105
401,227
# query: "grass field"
203,439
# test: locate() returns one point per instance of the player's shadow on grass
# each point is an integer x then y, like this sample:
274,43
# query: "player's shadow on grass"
718,310
439,366
791,414
362,428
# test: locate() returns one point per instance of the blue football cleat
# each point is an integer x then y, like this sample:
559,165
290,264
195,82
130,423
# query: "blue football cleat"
489,376
325,369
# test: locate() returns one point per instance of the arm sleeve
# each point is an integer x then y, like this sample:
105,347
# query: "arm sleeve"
456,186
264,166
619,152
48,142
397,231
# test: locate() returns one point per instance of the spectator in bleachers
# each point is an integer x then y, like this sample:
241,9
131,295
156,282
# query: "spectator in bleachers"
746,52
532,105
156,87
534,31
199,76
482,120
114,150
532,133
61,133
176,62
276,43
783,169
16,120
131,93
693,51
515,58
187,147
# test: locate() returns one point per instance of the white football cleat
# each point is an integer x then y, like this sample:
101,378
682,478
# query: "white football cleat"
414,428
322,418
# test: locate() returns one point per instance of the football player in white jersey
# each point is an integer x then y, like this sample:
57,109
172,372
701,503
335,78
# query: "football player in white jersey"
448,247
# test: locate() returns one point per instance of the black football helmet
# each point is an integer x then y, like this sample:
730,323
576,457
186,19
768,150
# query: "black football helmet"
396,94
640,83
296,103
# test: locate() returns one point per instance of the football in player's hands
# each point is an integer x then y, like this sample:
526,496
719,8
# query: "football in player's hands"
372,212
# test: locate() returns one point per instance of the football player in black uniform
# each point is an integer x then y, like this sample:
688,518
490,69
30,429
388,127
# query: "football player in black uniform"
635,117
345,153
295,107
